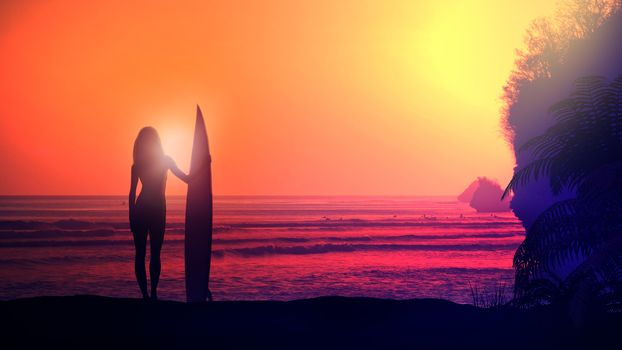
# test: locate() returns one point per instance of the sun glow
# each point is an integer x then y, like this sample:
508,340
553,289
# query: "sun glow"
177,143
465,51
322,97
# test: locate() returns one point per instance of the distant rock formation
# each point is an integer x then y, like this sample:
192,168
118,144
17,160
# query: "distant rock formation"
467,195
484,195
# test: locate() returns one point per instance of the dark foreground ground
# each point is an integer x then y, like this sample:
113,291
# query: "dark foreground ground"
87,322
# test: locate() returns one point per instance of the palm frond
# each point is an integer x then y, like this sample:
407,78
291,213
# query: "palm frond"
582,151
588,134
532,171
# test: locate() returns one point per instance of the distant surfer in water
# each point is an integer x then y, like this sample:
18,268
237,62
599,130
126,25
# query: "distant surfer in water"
148,213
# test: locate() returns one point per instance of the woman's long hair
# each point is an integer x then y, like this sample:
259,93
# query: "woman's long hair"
147,147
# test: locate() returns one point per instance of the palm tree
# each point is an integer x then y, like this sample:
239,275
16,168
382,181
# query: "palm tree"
573,251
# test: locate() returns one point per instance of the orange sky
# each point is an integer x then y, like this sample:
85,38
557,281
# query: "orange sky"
300,97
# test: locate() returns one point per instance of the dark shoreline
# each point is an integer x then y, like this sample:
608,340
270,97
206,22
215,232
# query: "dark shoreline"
322,323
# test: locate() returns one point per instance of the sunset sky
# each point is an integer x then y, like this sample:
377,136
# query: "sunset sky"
299,97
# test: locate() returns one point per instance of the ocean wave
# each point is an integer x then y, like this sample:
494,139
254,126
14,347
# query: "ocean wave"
273,249
66,243
39,234
349,248
370,238
289,225
41,237
58,224
67,259
69,224
359,223
280,211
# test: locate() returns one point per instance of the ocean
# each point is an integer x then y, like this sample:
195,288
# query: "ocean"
265,247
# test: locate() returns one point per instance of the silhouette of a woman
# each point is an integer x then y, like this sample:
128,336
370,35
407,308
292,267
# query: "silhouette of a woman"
148,213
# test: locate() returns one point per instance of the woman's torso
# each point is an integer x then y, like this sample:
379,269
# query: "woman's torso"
153,184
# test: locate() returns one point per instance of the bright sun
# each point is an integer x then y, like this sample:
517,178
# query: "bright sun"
177,143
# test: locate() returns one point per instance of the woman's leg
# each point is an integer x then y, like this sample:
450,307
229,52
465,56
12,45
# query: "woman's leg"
140,244
156,239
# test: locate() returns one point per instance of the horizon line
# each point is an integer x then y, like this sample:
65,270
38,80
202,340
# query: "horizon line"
238,195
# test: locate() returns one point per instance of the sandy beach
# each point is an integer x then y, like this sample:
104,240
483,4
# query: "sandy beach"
323,323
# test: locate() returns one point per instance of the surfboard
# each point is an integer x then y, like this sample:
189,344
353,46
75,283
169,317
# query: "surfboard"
199,208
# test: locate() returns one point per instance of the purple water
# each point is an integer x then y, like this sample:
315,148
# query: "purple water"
264,248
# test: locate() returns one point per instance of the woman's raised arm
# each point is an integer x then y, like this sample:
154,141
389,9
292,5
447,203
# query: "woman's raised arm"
175,170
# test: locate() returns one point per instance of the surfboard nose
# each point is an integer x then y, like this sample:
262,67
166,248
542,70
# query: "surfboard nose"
199,113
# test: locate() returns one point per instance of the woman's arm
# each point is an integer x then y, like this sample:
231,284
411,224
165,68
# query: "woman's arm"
175,170
132,197
180,174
